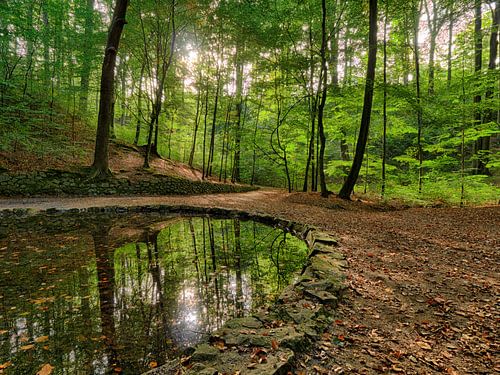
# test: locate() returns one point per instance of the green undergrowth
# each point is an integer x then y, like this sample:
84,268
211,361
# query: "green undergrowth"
445,191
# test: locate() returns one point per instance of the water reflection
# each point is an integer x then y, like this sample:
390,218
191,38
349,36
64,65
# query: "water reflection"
118,298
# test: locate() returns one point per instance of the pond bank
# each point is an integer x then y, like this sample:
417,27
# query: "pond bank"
265,343
422,282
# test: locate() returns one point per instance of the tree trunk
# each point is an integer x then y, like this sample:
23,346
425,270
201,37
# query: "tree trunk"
478,57
489,115
416,55
347,188
254,158
139,107
321,107
450,47
101,154
211,151
196,124
313,100
384,135
87,59
235,177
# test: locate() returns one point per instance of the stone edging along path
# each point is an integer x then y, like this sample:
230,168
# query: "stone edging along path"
268,341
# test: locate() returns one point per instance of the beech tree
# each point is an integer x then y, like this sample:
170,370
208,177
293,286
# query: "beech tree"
348,186
100,167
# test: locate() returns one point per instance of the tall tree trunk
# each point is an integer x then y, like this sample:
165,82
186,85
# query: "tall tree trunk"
205,133
139,106
87,56
211,151
489,115
161,72
235,177
196,125
478,64
433,25
384,135
225,140
347,188
101,154
321,107
254,157
450,46
313,102
416,54
46,47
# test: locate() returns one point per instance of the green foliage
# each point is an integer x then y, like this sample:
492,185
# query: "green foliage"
45,53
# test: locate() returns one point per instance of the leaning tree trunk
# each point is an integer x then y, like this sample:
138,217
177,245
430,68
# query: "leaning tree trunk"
100,167
348,187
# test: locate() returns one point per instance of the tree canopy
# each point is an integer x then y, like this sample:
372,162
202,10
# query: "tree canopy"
268,92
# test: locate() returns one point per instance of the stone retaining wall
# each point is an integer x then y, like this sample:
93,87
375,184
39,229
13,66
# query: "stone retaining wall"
70,183
268,342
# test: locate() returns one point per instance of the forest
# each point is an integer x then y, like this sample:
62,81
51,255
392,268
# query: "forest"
400,98
229,187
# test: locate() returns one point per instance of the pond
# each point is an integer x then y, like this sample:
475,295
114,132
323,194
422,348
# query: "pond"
118,296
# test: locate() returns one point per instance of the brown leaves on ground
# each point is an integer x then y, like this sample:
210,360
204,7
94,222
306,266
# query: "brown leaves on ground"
423,283
46,369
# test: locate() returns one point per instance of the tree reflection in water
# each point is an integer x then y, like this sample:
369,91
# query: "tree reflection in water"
114,298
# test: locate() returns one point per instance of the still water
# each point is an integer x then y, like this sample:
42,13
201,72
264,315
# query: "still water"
122,298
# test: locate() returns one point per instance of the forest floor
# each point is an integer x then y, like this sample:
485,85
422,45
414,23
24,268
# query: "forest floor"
125,160
423,292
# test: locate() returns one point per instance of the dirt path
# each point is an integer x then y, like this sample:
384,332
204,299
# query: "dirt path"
424,290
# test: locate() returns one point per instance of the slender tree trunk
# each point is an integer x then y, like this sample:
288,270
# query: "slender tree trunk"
196,124
489,115
235,177
87,56
211,151
254,157
139,107
321,107
313,103
478,57
450,47
384,135
348,186
225,140
101,157
416,54
205,133
46,47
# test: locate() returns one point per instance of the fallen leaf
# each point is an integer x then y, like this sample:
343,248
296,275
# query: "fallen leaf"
5,365
274,344
424,345
46,369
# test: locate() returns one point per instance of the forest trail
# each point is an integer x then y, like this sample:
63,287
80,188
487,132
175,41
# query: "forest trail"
424,292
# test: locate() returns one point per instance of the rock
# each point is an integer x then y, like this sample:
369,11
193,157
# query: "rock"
277,363
247,322
204,352
322,296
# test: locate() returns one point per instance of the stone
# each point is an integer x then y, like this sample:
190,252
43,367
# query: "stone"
277,363
323,296
204,352
247,322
